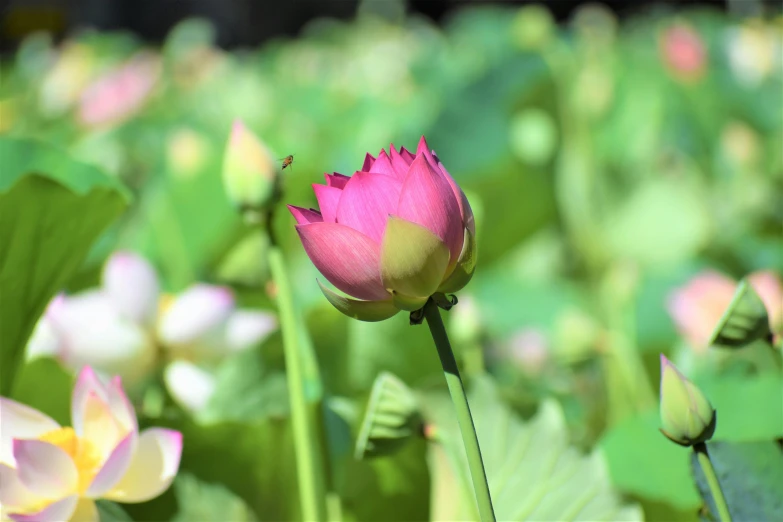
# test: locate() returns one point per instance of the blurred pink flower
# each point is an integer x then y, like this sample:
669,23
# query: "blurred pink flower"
120,93
391,235
125,327
529,350
697,307
683,52
50,473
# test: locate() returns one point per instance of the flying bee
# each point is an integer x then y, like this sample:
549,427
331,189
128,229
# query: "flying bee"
287,161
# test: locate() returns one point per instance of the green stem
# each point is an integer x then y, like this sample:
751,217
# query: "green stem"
309,467
457,391
712,481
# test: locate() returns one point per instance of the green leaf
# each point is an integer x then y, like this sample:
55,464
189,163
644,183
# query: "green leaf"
207,502
387,489
645,463
245,389
255,460
52,209
750,476
533,472
25,156
749,408
498,292
392,418
53,398
661,222
391,345
111,512
744,321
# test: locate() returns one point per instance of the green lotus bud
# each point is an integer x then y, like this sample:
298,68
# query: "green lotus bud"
687,417
249,170
532,27
391,420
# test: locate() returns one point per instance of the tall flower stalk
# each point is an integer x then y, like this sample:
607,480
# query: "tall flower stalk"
465,419
252,183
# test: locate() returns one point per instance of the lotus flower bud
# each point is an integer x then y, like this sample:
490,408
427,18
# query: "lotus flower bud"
532,27
390,236
249,171
687,417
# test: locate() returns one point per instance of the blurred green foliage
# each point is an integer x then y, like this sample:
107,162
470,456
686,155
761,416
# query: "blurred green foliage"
611,162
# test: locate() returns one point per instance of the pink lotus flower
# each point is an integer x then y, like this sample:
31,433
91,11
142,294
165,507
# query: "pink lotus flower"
50,473
120,93
684,52
698,306
391,235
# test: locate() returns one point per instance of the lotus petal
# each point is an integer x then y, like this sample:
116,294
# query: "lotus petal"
304,216
427,199
336,180
366,202
55,512
369,311
114,468
189,385
45,469
347,258
369,159
413,259
18,421
132,284
328,200
197,313
466,265
153,468
383,165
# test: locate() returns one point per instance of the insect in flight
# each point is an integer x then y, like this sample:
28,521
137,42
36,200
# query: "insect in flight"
287,161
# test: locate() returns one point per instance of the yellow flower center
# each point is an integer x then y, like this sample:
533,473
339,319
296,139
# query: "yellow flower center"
85,455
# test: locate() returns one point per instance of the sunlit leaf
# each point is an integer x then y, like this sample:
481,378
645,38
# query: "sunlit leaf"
533,471
52,209
254,460
208,502
658,471
749,408
53,398
744,321
245,389
391,419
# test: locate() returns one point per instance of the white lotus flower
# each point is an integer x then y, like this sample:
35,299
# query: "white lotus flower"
50,473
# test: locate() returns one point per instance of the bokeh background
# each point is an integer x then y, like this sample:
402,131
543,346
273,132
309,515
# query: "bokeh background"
611,156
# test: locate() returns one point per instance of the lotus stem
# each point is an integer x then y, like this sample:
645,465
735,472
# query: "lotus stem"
712,481
309,467
460,399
